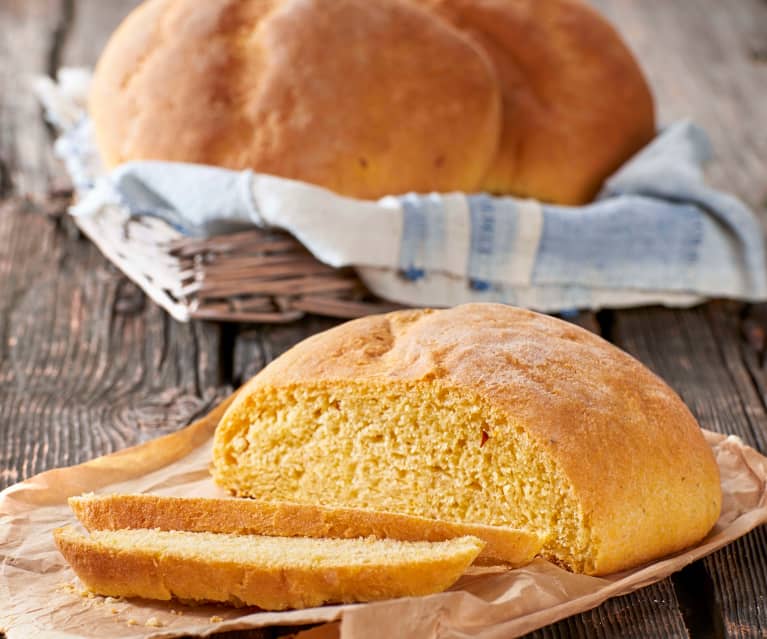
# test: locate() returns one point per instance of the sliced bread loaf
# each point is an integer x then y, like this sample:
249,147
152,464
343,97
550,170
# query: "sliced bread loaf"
482,413
254,517
273,573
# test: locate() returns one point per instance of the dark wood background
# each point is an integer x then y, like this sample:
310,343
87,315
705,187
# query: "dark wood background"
88,365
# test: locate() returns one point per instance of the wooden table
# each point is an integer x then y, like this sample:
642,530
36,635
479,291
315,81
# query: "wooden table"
88,365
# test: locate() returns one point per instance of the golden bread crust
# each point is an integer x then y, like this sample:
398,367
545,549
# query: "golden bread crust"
538,99
110,567
253,517
638,465
575,102
362,98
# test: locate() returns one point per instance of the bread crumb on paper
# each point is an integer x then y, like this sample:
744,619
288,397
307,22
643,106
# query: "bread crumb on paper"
154,622
132,622
67,586
216,619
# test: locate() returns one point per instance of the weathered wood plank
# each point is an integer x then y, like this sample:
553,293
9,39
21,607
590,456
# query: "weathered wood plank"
651,613
705,355
737,572
699,352
707,60
753,348
28,33
87,366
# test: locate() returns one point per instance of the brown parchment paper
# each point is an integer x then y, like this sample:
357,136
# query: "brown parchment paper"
41,597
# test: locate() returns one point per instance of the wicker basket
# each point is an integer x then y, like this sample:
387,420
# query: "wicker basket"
250,276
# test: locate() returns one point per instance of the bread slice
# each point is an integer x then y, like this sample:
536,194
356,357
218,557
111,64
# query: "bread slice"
481,413
273,573
254,517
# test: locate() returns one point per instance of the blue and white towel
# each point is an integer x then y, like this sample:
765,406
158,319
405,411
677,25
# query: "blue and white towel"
656,234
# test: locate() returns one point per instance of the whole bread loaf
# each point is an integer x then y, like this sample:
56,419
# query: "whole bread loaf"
273,573
486,414
377,97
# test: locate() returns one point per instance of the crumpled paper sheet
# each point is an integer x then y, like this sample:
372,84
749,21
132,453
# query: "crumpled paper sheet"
41,597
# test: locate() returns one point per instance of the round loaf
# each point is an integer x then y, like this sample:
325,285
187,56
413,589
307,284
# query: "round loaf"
480,414
575,102
370,98
364,98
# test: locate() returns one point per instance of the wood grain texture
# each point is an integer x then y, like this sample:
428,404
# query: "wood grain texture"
87,365
28,31
651,613
714,359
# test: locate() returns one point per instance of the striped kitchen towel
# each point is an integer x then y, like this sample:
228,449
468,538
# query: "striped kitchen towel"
656,234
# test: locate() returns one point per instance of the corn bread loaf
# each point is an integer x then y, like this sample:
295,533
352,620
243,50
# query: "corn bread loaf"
482,413
575,103
273,573
377,97
252,517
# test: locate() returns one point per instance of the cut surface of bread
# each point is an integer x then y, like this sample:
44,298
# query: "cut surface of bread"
273,573
482,413
254,517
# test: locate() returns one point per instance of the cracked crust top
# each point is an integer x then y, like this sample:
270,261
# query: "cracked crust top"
635,455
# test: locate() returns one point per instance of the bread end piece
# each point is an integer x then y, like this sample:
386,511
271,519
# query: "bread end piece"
273,573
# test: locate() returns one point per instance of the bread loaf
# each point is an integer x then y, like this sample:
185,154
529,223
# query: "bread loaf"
252,517
575,102
273,573
370,98
482,414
